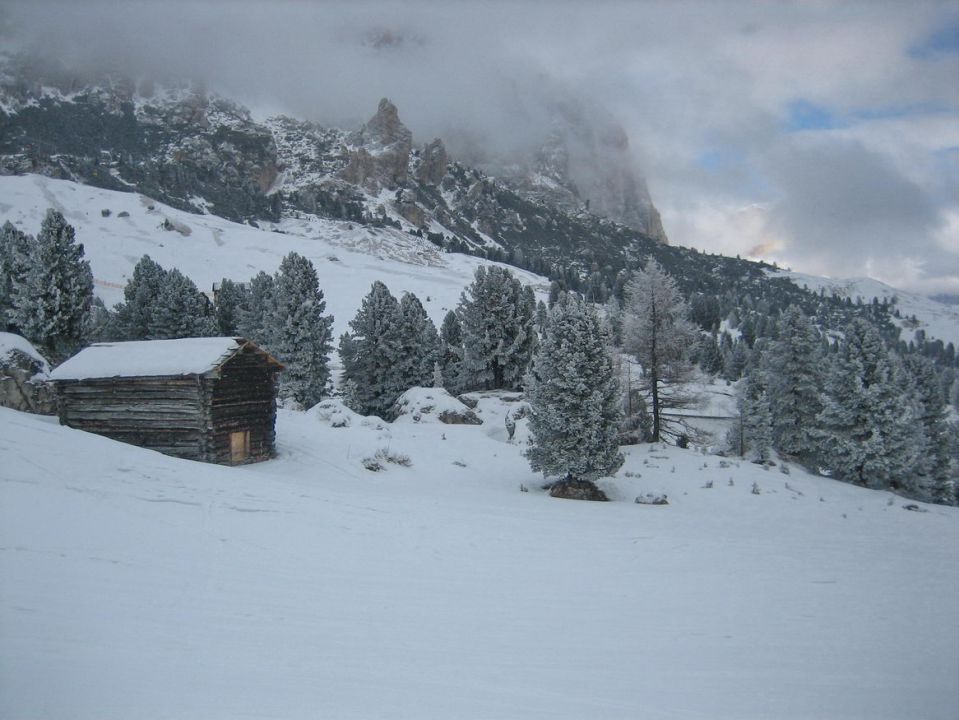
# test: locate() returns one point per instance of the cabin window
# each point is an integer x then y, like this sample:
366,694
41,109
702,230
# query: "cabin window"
239,446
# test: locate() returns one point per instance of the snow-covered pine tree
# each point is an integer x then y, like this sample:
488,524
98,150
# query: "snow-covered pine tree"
751,435
302,333
369,352
231,299
933,480
496,314
735,360
418,345
868,434
794,369
659,335
134,319
257,319
180,310
451,353
710,358
16,249
53,296
574,398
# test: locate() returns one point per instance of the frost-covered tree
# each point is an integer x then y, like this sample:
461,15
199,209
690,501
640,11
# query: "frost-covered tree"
162,304
735,359
418,344
15,253
933,479
230,301
710,359
257,319
496,313
134,319
302,334
868,434
794,368
181,310
451,353
751,435
370,351
659,335
574,399
51,299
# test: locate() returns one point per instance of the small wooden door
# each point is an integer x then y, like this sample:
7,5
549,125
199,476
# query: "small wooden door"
239,446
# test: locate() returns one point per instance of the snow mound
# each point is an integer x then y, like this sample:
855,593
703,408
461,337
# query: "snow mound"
336,414
421,404
13,345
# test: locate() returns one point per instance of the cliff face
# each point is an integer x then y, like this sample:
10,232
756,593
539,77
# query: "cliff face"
586,163
203,153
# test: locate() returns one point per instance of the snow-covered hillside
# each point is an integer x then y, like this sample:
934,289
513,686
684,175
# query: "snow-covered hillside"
938,320
347,257
137,585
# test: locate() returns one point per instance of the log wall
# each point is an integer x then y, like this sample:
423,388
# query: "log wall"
244,398
188,416
161,413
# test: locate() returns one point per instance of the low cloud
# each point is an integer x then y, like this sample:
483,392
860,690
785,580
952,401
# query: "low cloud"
703,89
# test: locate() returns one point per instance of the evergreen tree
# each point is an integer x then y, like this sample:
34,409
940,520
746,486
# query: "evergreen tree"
231,300
752,433
16,250
794,369
162,305
496,314
660,336
574,398
418,344
735,360
868,435
451,353
933,480
302,334
100,324
370,351
710,358
134,320
180,310
257,318
51,299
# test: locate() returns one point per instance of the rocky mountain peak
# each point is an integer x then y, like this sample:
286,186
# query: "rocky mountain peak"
379,151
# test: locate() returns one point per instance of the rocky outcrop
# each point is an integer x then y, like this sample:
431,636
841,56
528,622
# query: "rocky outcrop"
379,153
23,378
585,164
433,163
577,490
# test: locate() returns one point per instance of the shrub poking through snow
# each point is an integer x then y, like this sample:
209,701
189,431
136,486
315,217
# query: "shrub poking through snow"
378,460
652,499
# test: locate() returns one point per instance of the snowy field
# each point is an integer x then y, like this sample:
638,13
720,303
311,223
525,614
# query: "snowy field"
140,586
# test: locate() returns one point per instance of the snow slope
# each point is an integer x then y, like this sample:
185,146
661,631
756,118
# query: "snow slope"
939,320
206,248
140,586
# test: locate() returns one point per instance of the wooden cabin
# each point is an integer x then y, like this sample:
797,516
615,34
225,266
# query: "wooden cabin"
208,399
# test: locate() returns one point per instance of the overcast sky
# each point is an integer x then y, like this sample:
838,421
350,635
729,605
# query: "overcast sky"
822,135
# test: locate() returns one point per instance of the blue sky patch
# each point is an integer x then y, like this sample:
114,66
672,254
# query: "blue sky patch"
804,115
943,41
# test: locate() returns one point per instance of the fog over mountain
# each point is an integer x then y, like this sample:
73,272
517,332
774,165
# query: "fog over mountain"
823,136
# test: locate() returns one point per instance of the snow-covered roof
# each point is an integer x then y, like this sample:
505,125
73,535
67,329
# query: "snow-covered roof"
9,343
149,358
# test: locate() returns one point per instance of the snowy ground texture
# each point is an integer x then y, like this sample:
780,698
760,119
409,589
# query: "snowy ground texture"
140,586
